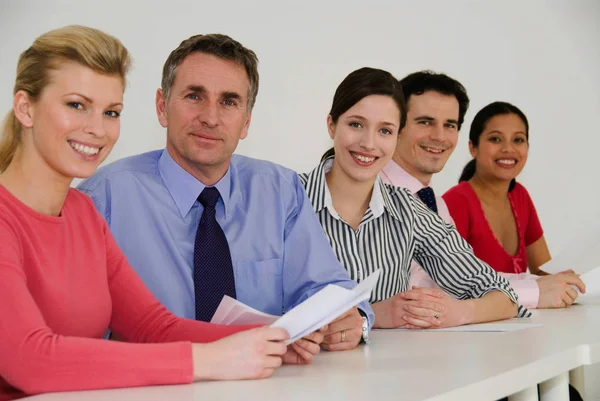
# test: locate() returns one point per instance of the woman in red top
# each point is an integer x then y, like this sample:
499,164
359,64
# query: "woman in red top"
491,210
63,279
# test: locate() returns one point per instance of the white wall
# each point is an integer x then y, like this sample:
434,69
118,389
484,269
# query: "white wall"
544,56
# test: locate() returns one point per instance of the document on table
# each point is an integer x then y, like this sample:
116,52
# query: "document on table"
312,314
503,326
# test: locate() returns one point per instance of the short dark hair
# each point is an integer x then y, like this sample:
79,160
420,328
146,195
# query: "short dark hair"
365,82
218,45
478,126
420,82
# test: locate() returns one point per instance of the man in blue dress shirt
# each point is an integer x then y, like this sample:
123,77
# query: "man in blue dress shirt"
279,253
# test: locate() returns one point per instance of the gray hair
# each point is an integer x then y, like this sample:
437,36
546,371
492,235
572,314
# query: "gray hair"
218,45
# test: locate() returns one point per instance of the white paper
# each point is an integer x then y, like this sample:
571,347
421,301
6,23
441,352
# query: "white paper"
591,280
231,311
573,253
512,325
317,311
324,307
223,309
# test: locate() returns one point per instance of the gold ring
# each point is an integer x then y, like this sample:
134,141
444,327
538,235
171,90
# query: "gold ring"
343,336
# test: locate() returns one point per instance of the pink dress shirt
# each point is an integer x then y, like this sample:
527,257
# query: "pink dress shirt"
524,284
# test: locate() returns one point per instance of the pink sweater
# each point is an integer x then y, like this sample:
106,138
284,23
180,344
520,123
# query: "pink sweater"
63,283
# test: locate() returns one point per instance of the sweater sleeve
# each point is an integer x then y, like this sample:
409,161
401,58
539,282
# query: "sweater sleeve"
37,360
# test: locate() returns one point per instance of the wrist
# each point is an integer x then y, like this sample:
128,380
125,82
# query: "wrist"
379,316
201,362
467,312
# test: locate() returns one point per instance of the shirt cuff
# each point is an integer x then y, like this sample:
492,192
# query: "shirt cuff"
364,308
527,290
519,276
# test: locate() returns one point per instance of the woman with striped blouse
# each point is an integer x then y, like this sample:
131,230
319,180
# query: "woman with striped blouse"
372,226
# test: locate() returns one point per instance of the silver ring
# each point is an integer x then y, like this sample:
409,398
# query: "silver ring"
437,315
343,333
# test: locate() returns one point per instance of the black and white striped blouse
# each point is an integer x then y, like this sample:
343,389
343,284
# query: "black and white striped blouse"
396,228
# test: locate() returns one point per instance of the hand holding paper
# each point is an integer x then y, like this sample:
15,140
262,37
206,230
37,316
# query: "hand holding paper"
317,311
324,307
591,280
303,350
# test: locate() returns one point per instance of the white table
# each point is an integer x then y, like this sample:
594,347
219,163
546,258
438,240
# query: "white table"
412,366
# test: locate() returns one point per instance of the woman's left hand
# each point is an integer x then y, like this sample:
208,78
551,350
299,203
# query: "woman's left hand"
432,308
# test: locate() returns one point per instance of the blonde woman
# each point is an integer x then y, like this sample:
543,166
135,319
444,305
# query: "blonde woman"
63,279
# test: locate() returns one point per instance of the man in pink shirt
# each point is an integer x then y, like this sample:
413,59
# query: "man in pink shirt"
436,108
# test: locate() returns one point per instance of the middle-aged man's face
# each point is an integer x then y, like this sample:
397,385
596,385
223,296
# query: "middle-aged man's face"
206,114
430,135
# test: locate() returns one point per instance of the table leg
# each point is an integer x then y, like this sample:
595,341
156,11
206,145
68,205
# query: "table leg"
528,394
577,380
555,389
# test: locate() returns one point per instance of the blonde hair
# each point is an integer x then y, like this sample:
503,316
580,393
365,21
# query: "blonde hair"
89,47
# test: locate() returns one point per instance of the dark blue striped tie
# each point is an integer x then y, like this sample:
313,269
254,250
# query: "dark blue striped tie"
213,270
428,197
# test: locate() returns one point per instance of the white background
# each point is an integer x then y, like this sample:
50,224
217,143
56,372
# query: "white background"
543,56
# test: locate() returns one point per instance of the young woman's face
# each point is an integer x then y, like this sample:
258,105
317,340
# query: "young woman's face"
75,123
503,148
365,136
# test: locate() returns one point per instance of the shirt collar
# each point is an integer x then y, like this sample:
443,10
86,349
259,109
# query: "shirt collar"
397,176
320,197
185,188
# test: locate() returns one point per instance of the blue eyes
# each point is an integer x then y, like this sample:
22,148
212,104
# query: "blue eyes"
80,106
226,102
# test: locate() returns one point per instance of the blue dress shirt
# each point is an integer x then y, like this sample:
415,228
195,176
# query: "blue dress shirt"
279,253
